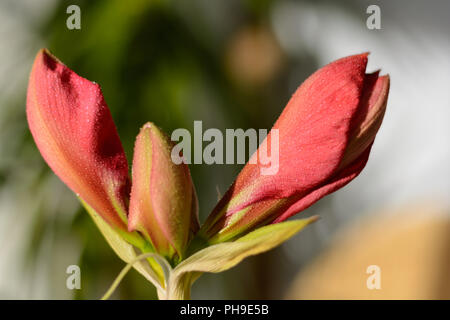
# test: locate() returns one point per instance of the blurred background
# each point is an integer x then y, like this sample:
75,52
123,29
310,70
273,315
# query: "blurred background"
235,64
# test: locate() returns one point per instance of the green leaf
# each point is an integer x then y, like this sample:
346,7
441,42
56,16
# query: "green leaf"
223,256
123,249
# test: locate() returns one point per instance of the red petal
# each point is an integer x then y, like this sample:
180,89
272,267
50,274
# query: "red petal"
277,210
368,120
325,135
344,177
313,134
74,131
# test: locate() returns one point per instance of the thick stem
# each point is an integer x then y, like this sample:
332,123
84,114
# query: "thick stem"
161,294
178,288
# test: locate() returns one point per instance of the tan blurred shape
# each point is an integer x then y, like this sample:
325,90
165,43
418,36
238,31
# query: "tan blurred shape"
410,246
253,55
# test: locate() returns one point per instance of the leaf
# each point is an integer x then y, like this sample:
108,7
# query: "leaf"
223,256
123,249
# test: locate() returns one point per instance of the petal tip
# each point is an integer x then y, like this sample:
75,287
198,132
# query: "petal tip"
47,58
148,125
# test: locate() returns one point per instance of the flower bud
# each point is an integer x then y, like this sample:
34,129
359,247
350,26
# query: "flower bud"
163,204
325,135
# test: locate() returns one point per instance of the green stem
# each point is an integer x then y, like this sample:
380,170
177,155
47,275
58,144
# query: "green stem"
127,268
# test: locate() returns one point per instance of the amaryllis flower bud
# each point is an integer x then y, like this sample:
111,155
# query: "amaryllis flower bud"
325,135
74,131
163,205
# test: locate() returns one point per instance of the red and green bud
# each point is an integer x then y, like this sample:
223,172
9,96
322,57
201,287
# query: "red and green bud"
75,133
325,135
163,205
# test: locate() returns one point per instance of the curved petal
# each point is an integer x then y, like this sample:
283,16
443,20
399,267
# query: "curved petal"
313,132
276,210
325,136
337,182
370,115
75,133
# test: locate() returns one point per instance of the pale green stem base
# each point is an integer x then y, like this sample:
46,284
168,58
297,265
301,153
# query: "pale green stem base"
178,288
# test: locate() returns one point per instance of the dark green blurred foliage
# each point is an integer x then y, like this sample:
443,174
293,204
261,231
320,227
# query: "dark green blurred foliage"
167,62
